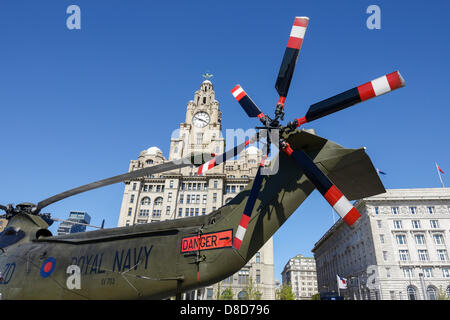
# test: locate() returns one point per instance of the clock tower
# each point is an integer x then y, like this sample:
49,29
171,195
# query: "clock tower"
201,130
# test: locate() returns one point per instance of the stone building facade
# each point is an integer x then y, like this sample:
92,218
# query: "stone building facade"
397,250
182,193
300,273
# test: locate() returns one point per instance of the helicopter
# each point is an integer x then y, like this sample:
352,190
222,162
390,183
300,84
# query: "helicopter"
163,259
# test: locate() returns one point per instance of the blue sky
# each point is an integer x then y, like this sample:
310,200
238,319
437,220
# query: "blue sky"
78,105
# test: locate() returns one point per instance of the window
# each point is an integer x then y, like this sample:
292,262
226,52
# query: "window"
243,276
204,199
404,255
397,224
134,186
196,211
191,212
129,211
430,210
188,198
420,238
197,199
423,255
415,224
401,239
203,211
228,280
180,211
432,293
379,224
156,213
385,255
242,295
215,184
258,257
145,201
411,292
199,138
395,210
434,224
408,272
446,274
145,188
382,238
427,272
168,210
171,184
132,198
186,212
413,210
258,276
377,211
150,161
214,197
438,238
158,201
181,198
442,254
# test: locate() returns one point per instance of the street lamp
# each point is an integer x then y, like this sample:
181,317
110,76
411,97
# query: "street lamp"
359,286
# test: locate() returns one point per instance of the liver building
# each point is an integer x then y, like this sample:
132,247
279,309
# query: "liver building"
182,193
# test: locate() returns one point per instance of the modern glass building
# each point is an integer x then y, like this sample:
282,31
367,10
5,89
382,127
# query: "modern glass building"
74,216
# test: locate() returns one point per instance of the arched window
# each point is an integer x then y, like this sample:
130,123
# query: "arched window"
432,293
145,201
150,161
412,293
243,295
158,201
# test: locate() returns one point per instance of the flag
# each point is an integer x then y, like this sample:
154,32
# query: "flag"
381,172
342,282
439,168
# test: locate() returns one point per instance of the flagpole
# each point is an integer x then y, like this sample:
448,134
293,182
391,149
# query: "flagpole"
440,177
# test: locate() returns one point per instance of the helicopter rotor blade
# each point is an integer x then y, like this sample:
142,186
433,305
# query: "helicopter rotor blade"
329,191
290,57
248,105
229,154
246,214
369,90
195,158
246,102
2,207
74,222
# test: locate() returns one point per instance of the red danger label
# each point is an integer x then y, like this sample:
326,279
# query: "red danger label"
207,241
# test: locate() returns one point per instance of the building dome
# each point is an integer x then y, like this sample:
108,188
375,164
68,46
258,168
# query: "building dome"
252,150
153,151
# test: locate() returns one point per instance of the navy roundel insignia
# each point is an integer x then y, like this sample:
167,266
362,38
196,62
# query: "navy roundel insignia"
47,267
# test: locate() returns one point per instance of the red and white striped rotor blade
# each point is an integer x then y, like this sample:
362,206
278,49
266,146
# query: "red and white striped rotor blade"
366,91
290,57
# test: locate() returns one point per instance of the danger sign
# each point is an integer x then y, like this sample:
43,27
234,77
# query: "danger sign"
207,241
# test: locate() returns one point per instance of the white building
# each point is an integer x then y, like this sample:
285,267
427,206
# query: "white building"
300,273
181,193
398,250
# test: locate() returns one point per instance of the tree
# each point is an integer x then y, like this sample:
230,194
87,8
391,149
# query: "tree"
442,295
316,297
227,294
252,292
285,293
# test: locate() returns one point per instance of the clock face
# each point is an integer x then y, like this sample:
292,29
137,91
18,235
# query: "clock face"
201,119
